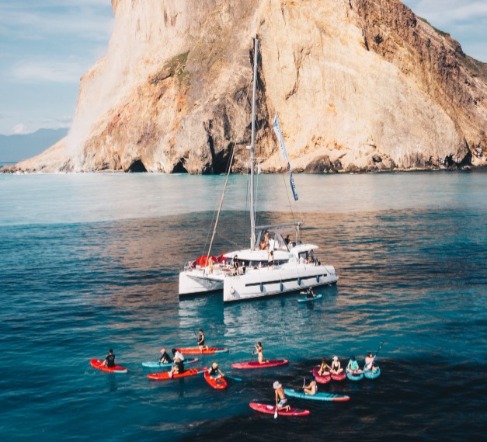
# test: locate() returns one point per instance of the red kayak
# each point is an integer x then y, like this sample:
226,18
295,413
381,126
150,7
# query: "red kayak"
96,363
164,376
256,364
205,351
271,409
219,383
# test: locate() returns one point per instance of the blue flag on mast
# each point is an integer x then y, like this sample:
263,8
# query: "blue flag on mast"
280,138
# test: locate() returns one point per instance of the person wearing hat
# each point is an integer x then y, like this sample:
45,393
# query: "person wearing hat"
353,366
109,359
336,367
324,369
165,358
214,371
281,400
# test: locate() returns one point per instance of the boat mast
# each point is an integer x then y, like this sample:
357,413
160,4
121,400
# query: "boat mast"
252,151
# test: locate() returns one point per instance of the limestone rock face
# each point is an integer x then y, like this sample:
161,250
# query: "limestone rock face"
359,85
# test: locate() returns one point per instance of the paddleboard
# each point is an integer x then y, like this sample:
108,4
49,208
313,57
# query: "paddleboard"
320,396
355,377
96,363
205,351
219,383
157,364
372,374
305,299
271,409
255,364
164,376
320,379
338,376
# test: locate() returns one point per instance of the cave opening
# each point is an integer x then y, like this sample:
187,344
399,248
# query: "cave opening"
137,167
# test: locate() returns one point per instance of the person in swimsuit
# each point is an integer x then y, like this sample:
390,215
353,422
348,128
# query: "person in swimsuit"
260,352
369,362
165,358
281,400
109,359
201,340
353,366
311,388
336,367
178,363
214,371
324,369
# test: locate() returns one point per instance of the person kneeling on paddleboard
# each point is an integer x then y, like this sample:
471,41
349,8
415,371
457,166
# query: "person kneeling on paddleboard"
214,371
165,358
353,366
260,352
311,388
336,367
109,359
201,340
281,400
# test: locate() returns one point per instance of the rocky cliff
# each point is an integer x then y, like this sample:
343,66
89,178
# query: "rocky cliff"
358,85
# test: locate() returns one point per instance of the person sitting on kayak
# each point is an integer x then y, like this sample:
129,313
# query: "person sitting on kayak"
311,388
336,367
353,366
214,371
324,369
369,362
201,340
109,359
281,400
165,358
260,352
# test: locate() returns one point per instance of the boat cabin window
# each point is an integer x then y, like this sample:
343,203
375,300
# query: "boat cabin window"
269,239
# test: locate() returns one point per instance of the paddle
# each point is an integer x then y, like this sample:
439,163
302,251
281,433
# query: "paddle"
235,378
379,349
275,412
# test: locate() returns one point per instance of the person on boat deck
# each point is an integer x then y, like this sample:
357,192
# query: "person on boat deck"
260,352
266,239
262,244
235,265
109,359
287,240
281,400
324,369
201,340
311,388
336,367
353,366
214,371
369,362
270,259
165,358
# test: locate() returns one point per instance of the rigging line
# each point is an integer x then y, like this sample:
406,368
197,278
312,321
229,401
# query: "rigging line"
221,201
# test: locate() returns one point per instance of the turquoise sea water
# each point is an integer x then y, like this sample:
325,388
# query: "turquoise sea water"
90,262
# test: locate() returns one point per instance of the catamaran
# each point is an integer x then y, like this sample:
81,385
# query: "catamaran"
274,264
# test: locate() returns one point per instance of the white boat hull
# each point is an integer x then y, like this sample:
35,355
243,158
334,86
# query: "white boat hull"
199,281
264,282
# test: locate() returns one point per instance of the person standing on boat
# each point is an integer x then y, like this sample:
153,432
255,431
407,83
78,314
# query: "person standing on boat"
109,359
201,340
336,367
165,358
281,400
235,265
260,352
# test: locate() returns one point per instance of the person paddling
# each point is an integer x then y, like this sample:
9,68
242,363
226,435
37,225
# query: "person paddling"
109,359
281,400
165,358
178,363
214,371
201,340
336,367
369,362
310,293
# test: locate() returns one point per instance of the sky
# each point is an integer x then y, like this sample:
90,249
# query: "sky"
47,45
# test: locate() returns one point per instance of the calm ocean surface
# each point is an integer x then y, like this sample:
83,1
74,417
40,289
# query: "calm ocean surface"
90,262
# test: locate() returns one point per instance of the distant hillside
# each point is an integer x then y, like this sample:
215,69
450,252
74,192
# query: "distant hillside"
15,148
